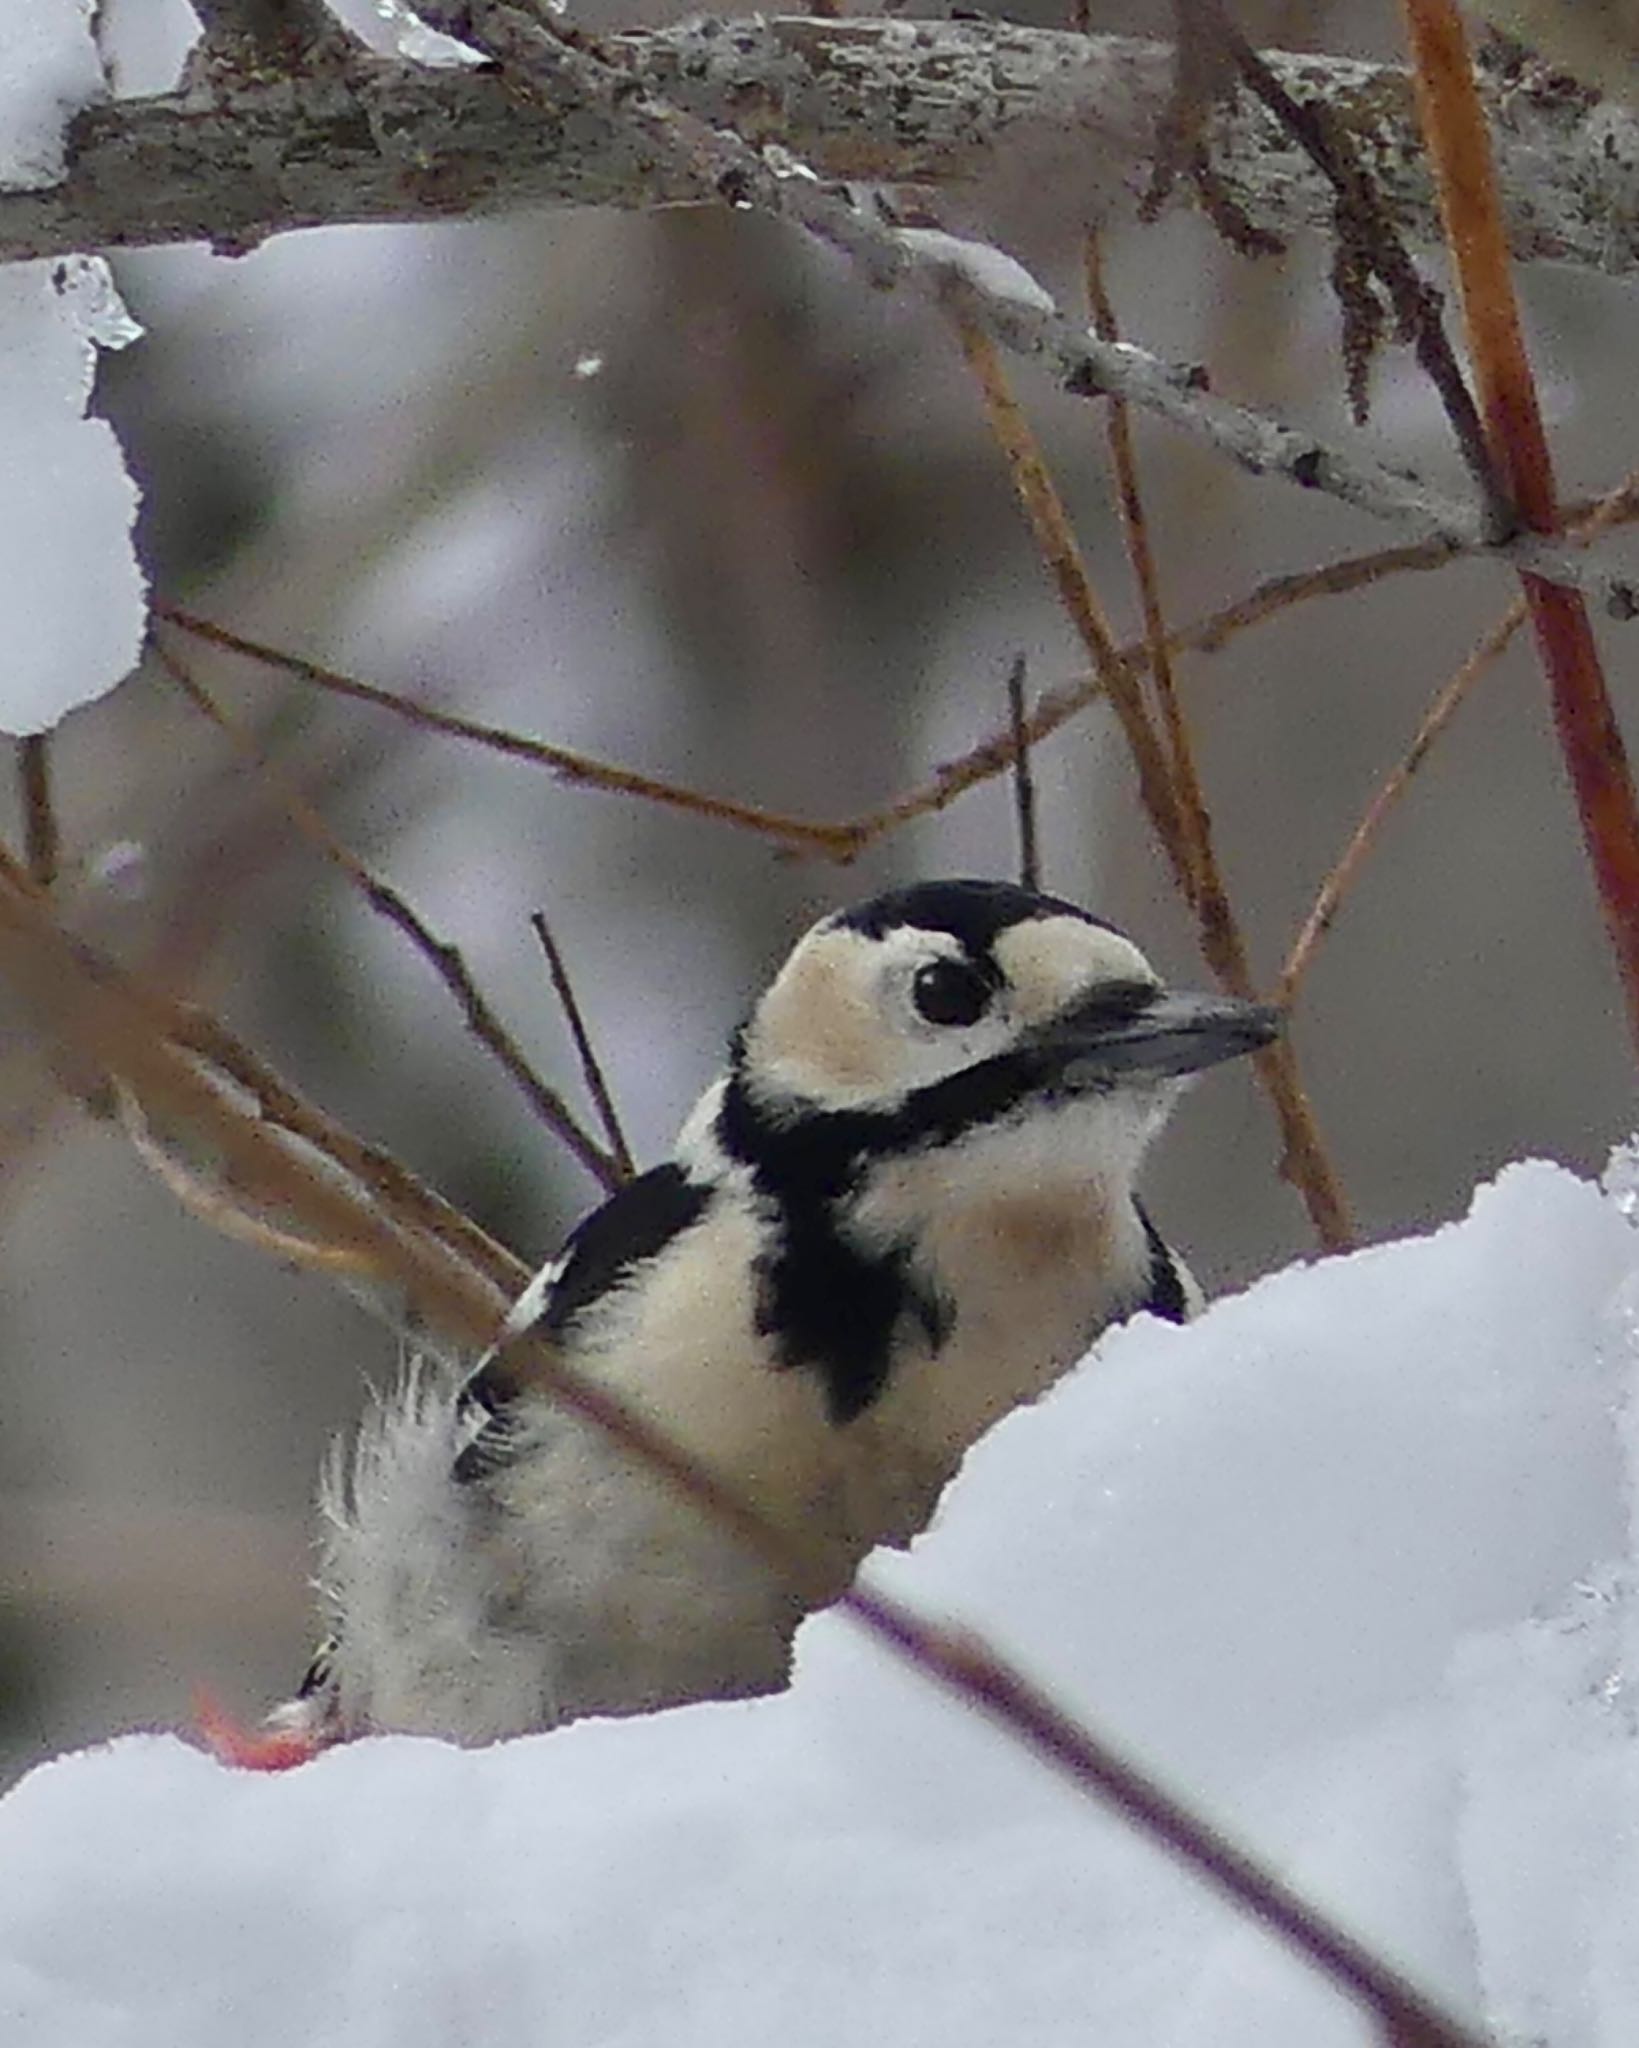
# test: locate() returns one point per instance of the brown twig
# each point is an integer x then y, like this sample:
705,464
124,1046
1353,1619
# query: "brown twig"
1305,1162
1203,635
1055,708
1195,825
103,1018
408,1204
799,833
1276,594
1177,816
1323,911
1590,741
976,1675
210,1205
590,1065
445,959
42,846
1024,780
1328,899
842,840
1055,538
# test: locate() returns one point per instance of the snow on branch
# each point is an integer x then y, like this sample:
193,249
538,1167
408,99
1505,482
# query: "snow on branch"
242,153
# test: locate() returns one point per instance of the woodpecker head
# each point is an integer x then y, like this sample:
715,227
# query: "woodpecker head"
948,1081
955,1004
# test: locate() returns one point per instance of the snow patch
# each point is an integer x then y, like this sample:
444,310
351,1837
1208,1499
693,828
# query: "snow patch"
1350,1561
49,69
988,270
71,593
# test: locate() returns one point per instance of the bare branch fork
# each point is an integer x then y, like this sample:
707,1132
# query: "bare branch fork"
609,1167
842,840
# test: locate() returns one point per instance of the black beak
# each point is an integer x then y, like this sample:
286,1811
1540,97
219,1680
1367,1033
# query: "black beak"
1154,1034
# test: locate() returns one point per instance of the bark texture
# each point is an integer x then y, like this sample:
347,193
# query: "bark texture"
246,149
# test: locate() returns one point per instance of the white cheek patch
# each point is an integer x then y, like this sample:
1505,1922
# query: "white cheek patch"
819,1030
1051,961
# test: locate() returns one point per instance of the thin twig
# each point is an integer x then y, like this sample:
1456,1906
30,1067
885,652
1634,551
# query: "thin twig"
842,840
1590,740
1055,708
1323,911
1195,825
590,1065
1024,780
568,767
43,847
1276,594
445,959
212,1205
1179,823
1305,1162
973,1671
1055,539
101,1016
407,1202
1346,870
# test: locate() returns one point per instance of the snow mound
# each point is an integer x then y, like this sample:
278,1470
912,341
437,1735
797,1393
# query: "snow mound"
1350,1561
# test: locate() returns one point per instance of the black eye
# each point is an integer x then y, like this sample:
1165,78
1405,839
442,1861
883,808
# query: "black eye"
951,992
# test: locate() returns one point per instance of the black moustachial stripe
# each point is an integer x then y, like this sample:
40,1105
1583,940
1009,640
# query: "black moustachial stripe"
1166,1297
634,1226
828,1303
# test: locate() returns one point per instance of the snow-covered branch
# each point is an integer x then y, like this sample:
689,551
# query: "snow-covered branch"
236,156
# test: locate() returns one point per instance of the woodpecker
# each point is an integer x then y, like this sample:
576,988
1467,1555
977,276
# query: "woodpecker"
905,1208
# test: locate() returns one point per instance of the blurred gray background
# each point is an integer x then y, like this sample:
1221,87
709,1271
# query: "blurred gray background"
767,548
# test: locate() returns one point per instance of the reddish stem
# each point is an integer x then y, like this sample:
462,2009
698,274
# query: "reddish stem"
1589,739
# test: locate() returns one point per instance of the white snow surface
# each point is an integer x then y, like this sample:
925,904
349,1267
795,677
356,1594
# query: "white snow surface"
71,593
49,69
1351,1561
990,271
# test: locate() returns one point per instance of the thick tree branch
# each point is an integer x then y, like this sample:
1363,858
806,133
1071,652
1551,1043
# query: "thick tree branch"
231,160
560,88
242,36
